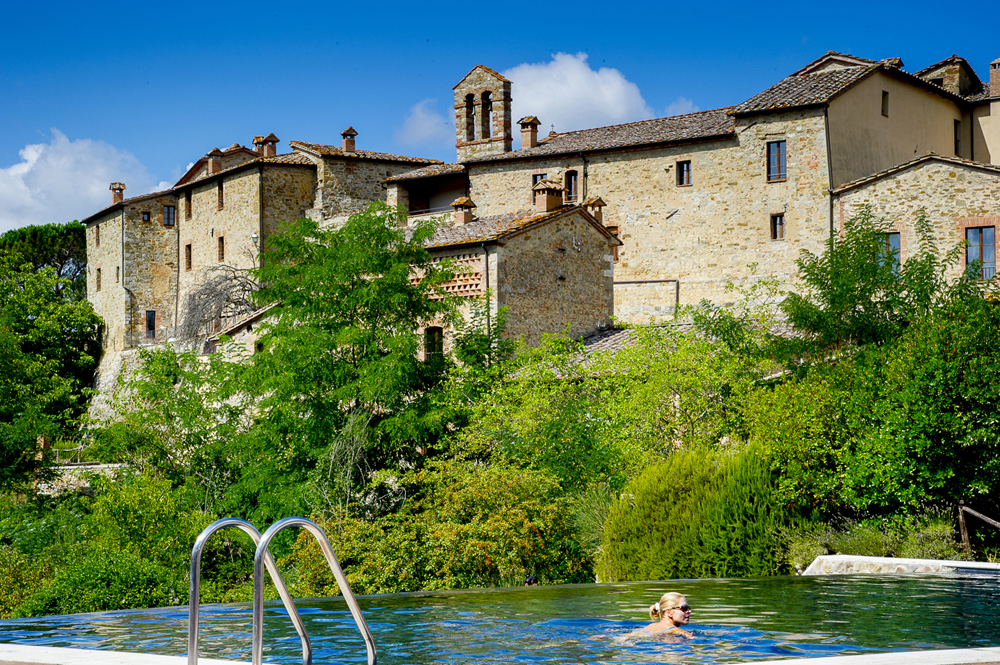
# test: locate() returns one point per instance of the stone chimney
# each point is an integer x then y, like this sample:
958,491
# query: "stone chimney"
258,145
463,210
214,161
348,135
529,131
117,192
995,78
548,195
269,145
595,206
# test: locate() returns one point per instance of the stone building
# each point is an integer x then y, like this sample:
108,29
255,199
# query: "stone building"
696,198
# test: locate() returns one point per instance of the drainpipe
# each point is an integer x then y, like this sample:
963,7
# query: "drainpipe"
829,161
583,189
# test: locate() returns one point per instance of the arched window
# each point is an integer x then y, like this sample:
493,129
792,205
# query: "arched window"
486,115
571,183
433,342
470,118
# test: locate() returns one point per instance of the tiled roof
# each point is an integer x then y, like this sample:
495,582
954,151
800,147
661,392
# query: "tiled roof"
805,90
497,74
979,93
428,172
123,203
930,156
287,158
489,229
843,59
609,339
715,123
336,151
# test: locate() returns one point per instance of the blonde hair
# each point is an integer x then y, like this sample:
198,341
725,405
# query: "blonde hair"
667,601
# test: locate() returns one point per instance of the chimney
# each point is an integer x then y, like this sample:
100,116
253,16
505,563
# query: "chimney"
117,192
529,131
463,210
594,206
548,195
995,78
270,145
349,135
258,145
214,161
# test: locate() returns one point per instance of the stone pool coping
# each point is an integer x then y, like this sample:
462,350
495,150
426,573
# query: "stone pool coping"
23,654
846,564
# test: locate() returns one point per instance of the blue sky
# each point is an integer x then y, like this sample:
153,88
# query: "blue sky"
91,93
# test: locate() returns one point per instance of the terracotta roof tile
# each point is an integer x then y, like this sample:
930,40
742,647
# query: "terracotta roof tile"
123,203
930,156
715,123
805,90
337,151
497,74
428,172
489,229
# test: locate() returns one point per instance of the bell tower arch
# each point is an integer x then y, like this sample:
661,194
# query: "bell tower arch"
482,114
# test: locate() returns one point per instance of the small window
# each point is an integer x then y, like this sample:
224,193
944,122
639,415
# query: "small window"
169,215
683,173
892,248
486,115
614,250
571,185
885,103
777,227
117,274
258,347
150,324
187,205
97,235
938,81
470,118
433,342
535,179
221,194
187,256
222,248
958,137
98,280
777,161
981,256
145,216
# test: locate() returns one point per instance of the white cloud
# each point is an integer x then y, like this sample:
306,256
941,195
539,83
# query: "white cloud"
425,126
567,93
64,180
680,106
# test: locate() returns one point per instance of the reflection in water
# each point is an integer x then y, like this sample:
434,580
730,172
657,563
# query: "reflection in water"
733,620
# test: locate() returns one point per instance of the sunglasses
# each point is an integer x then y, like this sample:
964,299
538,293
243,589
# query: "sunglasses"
682,608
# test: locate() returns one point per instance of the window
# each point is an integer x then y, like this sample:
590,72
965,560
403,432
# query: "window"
777,227
97,235
169,215
892,249
117,274
433,342
221,195
981,252
486,115
938,81
187,256
535,179
187,204
885,103
98,280
145,216
683,173
777,161
150,324
958,137
470,118
571,185
222,248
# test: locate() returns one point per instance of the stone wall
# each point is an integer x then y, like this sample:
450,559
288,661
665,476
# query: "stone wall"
288,192
704,234
106,256
346,185
478,81
150,268
955,196
556,277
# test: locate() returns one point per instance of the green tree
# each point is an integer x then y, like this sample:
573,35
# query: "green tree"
62,247
49,347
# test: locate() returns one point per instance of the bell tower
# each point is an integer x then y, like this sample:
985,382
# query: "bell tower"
482,114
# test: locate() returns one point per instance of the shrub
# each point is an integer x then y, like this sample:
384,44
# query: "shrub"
697,514
20,577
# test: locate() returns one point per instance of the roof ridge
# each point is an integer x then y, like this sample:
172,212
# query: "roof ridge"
639,122
927,156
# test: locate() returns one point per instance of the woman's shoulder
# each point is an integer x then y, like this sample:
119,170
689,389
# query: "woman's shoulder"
661,628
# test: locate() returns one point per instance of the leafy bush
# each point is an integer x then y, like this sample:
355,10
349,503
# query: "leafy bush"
20,577
697,514
463,526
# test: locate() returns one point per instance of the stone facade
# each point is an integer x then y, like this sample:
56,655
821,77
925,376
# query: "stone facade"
482,114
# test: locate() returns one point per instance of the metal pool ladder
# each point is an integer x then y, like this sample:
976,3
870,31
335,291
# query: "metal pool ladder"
261,559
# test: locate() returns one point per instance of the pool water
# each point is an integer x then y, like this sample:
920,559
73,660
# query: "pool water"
732,620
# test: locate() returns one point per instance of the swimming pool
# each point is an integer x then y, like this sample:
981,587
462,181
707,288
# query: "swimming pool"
733,620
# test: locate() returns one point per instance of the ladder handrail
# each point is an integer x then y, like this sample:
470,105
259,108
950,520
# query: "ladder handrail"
260,559
194,594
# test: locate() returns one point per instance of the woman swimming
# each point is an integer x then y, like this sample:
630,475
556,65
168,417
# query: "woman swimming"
669,614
